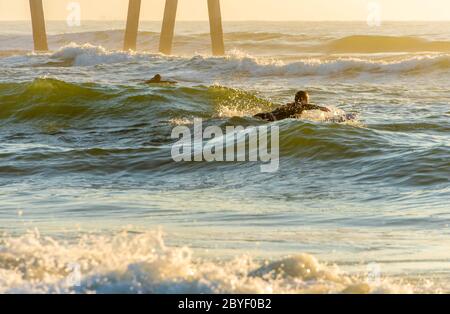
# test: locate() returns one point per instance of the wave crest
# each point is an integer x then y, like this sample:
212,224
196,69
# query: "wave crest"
88,55
238,63
50,99
142,263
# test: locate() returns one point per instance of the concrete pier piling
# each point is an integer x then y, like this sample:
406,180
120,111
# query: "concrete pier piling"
132,26
215,22
168,27
131,32
38,25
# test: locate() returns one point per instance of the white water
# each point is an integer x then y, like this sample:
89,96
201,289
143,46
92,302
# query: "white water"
142,263
238,62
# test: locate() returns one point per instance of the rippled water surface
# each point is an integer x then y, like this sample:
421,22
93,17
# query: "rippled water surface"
86,175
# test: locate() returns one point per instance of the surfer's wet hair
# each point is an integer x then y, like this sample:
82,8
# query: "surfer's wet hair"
302,96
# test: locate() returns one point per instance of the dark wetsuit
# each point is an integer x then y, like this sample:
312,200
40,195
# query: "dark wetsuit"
160,82
288,111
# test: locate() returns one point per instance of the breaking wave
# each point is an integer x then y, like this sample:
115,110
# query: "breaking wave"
254,67
143,263
88,55
49,99
238,63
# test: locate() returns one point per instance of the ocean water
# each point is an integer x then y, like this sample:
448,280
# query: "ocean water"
91,200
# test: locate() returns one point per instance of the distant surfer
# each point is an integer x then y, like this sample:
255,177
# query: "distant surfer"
291,110
157,79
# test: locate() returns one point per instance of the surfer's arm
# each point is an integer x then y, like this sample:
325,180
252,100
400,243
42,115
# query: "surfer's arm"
280,113
268,116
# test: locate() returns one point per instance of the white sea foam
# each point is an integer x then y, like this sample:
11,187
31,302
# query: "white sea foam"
333,115
143,263
88,55
242,64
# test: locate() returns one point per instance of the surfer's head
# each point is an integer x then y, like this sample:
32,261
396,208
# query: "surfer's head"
302,97
157,78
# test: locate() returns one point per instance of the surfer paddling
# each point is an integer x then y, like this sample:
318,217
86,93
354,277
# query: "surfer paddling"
157,79
291,110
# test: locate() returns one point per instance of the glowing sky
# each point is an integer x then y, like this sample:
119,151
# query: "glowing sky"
241,9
